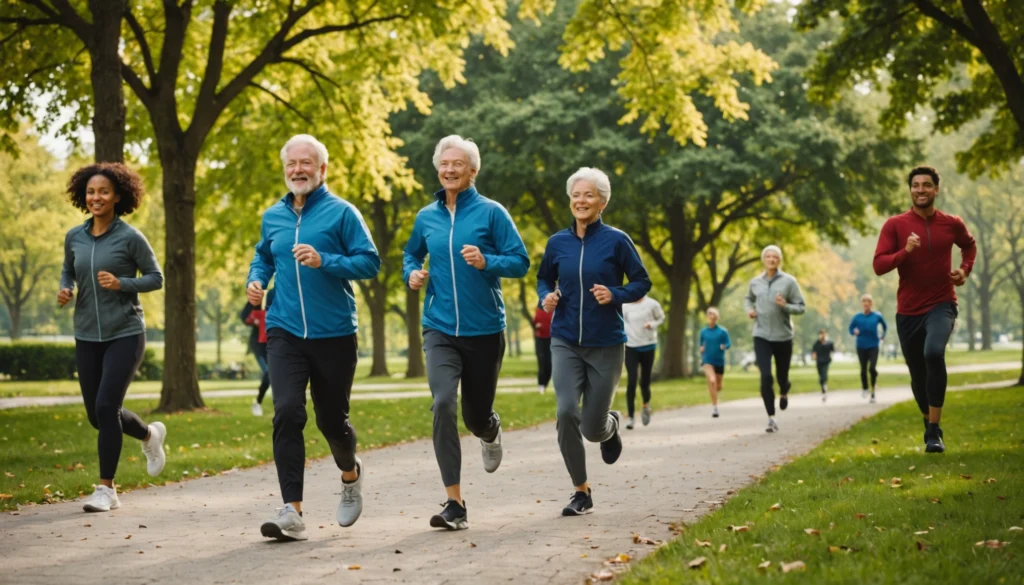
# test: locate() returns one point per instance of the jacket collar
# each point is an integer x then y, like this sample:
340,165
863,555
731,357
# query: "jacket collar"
463,197
592,228
113,226
317,194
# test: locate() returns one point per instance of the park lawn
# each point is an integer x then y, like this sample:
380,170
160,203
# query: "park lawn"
54,448
923,532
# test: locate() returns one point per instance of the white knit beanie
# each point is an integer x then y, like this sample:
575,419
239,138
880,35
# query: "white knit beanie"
772,248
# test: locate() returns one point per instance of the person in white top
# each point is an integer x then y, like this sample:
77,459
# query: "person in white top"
642,319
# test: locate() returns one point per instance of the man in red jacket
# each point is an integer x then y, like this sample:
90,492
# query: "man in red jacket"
919,244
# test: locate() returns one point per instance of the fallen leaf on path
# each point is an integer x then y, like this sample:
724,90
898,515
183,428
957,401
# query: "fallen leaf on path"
603,575
991,544
912,468
8,474
1000,497
722,548
990,480
833,549
732,528
472,545
794,566
896,486
812,532
921,546
935,501
880,528
6,496
702,543
928,477
354,567
920,532
697,562
637,539
962,476
584,555
860,516
1016,529
846,480
775,507
764,566
677,527
619,559
896,481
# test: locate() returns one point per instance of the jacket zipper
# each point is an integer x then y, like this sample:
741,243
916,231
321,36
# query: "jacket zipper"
451,258
95,288
582,248
298,278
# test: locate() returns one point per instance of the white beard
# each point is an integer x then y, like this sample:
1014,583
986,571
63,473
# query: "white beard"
312,184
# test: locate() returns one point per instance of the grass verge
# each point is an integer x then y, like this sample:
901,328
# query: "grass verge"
869,506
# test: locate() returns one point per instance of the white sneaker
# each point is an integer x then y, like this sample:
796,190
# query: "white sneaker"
863,394
287,526
491,453
257,410
714,413
772,427
540,389
351,504
103,499
154,449
824,396
872,400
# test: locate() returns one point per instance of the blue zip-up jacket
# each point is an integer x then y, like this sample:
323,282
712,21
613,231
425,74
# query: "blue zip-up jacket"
868,324
461,300
314,303
573,266
712,341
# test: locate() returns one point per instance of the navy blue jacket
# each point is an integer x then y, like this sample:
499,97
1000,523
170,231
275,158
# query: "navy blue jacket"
314,303
573,266
868,325
462,300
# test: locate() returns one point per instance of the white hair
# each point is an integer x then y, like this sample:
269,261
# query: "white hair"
321,150
464,144
595,176
713,310
867,297
772,248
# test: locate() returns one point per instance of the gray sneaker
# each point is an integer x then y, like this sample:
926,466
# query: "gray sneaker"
288,526
629,423
492,453
772,427
645,415
351,504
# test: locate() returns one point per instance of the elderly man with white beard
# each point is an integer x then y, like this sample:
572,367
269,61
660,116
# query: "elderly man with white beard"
313,243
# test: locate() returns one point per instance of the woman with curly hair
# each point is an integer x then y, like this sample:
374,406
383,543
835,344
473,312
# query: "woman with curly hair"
103,256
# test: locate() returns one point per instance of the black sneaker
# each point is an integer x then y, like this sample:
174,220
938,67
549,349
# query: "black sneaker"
783,401
612,448
933,439
453,517
581,503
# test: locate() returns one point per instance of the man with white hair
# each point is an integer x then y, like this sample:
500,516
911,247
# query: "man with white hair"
472,243
864,326
313,243
772,298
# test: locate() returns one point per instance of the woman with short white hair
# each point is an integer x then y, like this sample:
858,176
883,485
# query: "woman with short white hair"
581,281
772,298
864,327
472,244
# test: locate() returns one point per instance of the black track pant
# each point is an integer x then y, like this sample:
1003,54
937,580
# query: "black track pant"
260,351
868,360
764,351
328,367
105,369
923,339
542,345
823,374
638,362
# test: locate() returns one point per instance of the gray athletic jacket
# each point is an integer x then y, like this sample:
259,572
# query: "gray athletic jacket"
102,314
773,322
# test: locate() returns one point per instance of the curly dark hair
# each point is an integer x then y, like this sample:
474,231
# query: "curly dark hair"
923,170
127,184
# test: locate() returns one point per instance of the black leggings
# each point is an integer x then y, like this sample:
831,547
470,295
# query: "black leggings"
260,351
764,351
105,369
923,339
645,361
328,366
823,374
542,345
868,359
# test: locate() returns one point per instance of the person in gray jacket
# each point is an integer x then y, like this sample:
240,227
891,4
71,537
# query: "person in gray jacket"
104,256
773,297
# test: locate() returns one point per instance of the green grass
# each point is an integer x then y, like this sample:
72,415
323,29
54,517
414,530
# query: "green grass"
947,496
54,448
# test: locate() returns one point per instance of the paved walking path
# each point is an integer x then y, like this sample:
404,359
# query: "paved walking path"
207,530
388,390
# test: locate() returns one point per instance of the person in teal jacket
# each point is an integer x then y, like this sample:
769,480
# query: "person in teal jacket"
714,340
313,243
104,257
864,326
472,243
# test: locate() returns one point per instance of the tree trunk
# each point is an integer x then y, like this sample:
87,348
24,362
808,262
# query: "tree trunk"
1020,382
181,385
108,122
985,307
219,316
14,311
675,336
971,328
414,366
377,302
